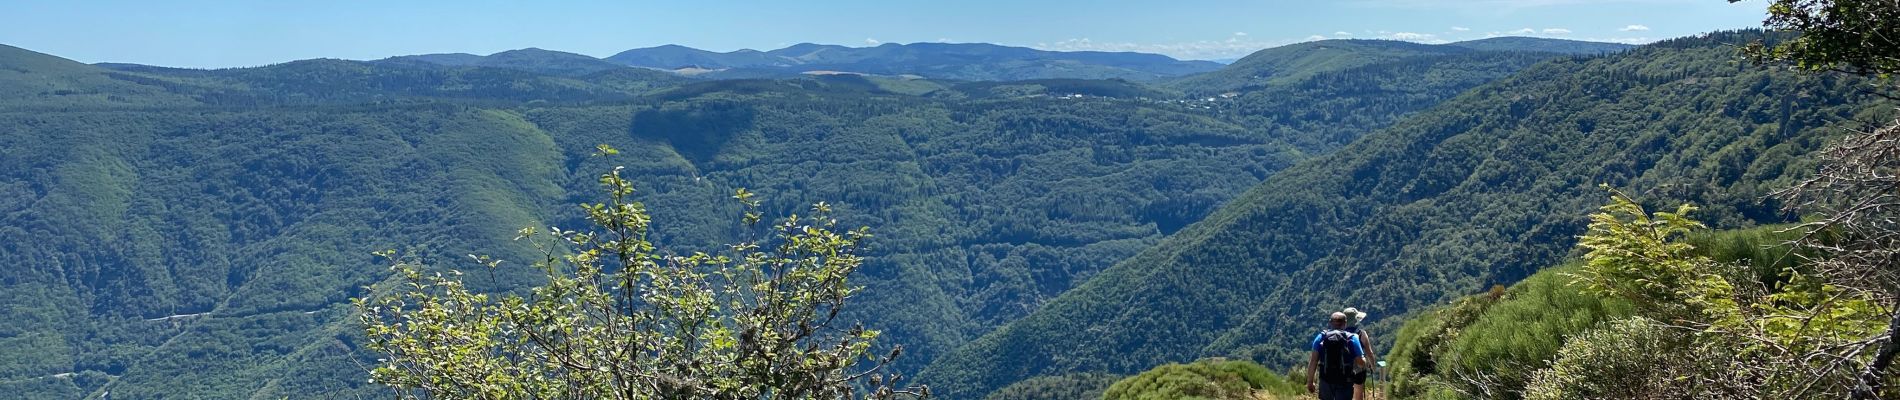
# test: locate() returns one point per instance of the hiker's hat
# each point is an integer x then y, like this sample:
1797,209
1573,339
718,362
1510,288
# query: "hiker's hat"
1355,314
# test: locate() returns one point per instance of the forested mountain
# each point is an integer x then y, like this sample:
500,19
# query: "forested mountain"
955,61
675,56
529,59
1296,62
337,82
1480,190
1292,63
1546,45
31,79
198,232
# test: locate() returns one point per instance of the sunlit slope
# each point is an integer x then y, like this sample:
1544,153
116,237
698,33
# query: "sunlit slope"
1483,189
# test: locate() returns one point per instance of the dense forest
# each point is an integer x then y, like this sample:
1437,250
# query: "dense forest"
1045,225
210,225
1481,190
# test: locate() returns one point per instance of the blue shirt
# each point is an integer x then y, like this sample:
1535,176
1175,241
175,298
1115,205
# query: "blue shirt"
1357,350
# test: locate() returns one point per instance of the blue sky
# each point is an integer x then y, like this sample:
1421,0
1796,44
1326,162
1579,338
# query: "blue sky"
190,33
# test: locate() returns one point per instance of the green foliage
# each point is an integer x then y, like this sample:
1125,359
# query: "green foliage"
196,232
1205,379
1489,345
950,61
237,236
1642,257
621,318
1413,361
1634,358
1060,88
1795,323
1483,189
1543,45
30,79
1858,35
1297,62
1496,354
1548,338
1083,386
242,205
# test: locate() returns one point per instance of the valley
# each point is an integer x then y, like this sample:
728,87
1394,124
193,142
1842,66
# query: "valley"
1044,223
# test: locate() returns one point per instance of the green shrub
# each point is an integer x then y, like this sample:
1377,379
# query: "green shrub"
1205,379
1083,386
1628,359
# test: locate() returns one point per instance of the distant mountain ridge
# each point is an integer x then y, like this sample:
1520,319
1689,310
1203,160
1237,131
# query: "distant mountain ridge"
284,168
242,203
528,59
1547,45
960,61
951,61
991,62
1482,189
1291,63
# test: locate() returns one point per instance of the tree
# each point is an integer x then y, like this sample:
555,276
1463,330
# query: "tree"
1856,191
620,319
1800,334
1854,35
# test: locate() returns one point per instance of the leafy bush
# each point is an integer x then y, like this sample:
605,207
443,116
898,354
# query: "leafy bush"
1633,358
1205,379
1083,386
619,318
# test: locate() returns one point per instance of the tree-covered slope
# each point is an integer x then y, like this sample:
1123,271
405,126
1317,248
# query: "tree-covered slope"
673,56
201,237
1295,62
1545,45
952,61
32,79
1483,189
333,82
213,253
529,59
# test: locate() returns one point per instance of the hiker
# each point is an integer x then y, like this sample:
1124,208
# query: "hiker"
1336,354
1365,344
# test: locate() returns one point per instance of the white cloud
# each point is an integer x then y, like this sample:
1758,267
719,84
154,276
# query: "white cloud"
1634,28
1342,34
1525,31
871,41
1460,28
1426,38
1240,33
1316,38
1556,31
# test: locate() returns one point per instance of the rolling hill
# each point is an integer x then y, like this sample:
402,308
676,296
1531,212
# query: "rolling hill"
1291,63
1480,190
1296,62
953,61
201,236
1546,45
530,59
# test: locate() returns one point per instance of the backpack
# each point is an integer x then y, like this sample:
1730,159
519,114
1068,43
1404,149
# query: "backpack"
1355,331
1335,356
